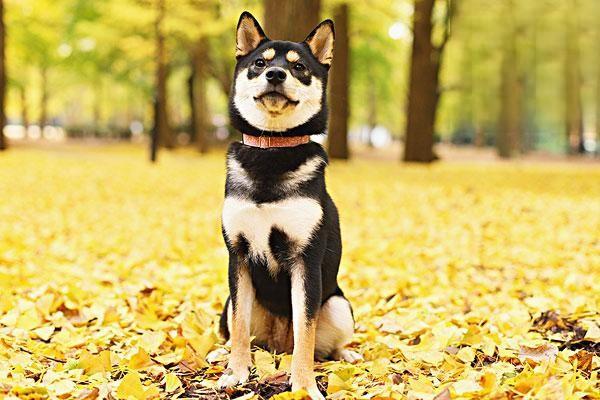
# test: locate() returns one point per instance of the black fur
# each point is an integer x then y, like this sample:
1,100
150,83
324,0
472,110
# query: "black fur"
267,169
315,125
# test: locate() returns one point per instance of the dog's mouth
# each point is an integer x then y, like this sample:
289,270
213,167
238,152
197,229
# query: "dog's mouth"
275,102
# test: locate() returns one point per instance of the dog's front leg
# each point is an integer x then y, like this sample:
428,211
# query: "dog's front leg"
242,297
305,304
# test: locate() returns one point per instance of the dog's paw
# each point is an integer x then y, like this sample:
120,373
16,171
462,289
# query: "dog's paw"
349,356
231,378
315,393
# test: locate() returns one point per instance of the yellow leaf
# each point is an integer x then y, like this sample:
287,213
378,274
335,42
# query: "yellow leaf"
172,383
170,358
488,381
93,364
62,387
285,364
335,384
465,386
466,355
202,343
44,333
44,304
264,362
297,395
151,341
131,387
140,360
593,333
29,320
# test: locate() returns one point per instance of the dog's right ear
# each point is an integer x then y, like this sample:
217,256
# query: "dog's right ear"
249,34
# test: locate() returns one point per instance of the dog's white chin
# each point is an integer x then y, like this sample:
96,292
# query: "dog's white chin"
267,118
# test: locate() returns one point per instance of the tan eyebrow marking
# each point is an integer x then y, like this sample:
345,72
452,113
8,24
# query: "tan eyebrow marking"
292,56
268,54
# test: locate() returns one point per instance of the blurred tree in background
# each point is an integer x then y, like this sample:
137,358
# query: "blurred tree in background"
520,76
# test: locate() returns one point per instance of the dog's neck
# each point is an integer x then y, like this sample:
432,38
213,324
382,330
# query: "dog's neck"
266,142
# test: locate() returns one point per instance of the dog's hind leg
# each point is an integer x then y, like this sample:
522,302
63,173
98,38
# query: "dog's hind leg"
335,328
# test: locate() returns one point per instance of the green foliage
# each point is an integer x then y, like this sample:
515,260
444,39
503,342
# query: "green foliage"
100,59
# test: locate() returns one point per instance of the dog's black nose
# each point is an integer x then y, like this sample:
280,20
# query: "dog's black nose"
275,75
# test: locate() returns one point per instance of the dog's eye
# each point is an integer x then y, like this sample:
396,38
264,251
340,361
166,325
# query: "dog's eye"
299,67
260,63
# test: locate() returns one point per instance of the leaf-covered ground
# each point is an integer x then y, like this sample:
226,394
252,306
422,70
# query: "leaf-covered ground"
468,281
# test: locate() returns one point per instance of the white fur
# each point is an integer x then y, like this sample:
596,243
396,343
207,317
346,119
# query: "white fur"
335,326
308,98
238,175
296,216
303,173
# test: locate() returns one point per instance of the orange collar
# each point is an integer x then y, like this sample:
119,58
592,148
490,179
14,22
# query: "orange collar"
265,142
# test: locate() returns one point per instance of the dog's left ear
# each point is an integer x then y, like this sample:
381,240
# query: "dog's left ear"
320,41
249,34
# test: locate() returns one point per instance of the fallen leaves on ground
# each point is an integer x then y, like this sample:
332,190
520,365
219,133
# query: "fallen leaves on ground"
467,280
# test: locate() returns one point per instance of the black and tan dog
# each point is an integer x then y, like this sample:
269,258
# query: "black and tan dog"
279,223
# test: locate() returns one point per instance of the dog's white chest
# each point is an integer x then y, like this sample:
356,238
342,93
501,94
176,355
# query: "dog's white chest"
297,217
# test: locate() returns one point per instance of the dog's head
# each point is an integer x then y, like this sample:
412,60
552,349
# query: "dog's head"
279,87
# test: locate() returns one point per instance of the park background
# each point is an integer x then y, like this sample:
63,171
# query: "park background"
464,161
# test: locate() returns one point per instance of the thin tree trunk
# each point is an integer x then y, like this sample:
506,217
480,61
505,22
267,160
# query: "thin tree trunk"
44,100
340,77
280,14
479,139
510,126
161,118
598,103
24,110
97,108
372,115
573,107
423,93
191,101
529,134
198,99
3,141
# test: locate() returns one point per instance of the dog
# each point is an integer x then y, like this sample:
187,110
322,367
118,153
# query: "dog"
279,224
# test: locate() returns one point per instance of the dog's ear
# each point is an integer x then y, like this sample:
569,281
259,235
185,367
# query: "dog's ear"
320,41
249,34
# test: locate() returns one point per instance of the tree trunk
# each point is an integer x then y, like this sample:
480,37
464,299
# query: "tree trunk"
97,108
24,110
3,141
199,115
529,139
372,115
511,117
303,13
161,118
573,107
423,92
598,103
44,100
479,139
340,78
191,101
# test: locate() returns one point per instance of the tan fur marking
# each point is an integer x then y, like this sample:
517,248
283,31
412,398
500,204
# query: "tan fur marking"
292,56
239,359
268,54
303,376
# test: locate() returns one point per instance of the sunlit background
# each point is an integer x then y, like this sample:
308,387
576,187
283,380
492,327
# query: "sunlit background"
528,70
